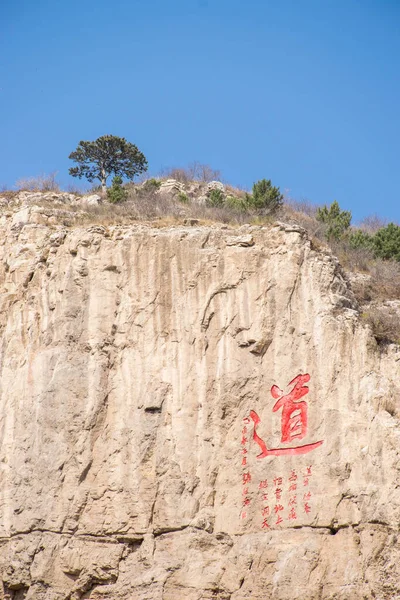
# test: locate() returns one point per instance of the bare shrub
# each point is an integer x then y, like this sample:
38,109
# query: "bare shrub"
41,183
384,322
196,171
372,223
303,206
385,279
353,259
204,173
141,178
76,189
179,173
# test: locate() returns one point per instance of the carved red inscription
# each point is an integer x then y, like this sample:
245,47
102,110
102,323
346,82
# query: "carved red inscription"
294,420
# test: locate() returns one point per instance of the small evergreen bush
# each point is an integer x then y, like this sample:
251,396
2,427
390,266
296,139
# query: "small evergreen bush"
152,184
182,197
236,203
116,193
215,198
337,220
265,197
361,239
386,242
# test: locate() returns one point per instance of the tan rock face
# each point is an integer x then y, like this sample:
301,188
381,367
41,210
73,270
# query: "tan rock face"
155,440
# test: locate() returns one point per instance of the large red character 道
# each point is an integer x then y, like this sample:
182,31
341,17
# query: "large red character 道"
294,420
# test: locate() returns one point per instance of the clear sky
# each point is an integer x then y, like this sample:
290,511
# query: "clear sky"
303,92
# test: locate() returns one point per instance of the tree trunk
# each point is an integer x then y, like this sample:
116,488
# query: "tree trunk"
103,181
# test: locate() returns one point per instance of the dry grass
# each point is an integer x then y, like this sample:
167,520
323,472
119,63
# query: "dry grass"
157,208
293,212
8,194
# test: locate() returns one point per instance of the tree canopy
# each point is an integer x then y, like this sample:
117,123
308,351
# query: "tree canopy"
106,155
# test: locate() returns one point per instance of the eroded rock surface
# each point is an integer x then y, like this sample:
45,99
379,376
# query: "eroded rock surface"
133,363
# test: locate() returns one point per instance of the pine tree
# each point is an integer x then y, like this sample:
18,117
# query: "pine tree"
265,196
337,220
106,155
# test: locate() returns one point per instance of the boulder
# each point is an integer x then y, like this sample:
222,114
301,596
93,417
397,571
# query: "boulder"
171,188
215,185
92,200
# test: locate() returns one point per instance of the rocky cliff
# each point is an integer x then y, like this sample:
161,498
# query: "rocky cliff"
191,413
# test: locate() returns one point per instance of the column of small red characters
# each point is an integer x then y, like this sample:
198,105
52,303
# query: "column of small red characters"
278,508
265,511
307,493
293,498
246,476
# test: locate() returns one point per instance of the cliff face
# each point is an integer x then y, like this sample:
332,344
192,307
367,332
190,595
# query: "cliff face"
145,453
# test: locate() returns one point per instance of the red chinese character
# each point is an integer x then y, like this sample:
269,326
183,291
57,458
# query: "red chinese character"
293,476
263,484
308,474
245,491
293,487
265,524
293,501
246,501
246,478
278,493
279,520
243,515
278,481
292,514
244,430
307,508
265,497
246,420
306,481
294,419
244,440
278,508
294,413
265,511
244,450
307,496
244,461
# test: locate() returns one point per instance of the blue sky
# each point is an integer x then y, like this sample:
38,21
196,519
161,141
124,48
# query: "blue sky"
304,92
